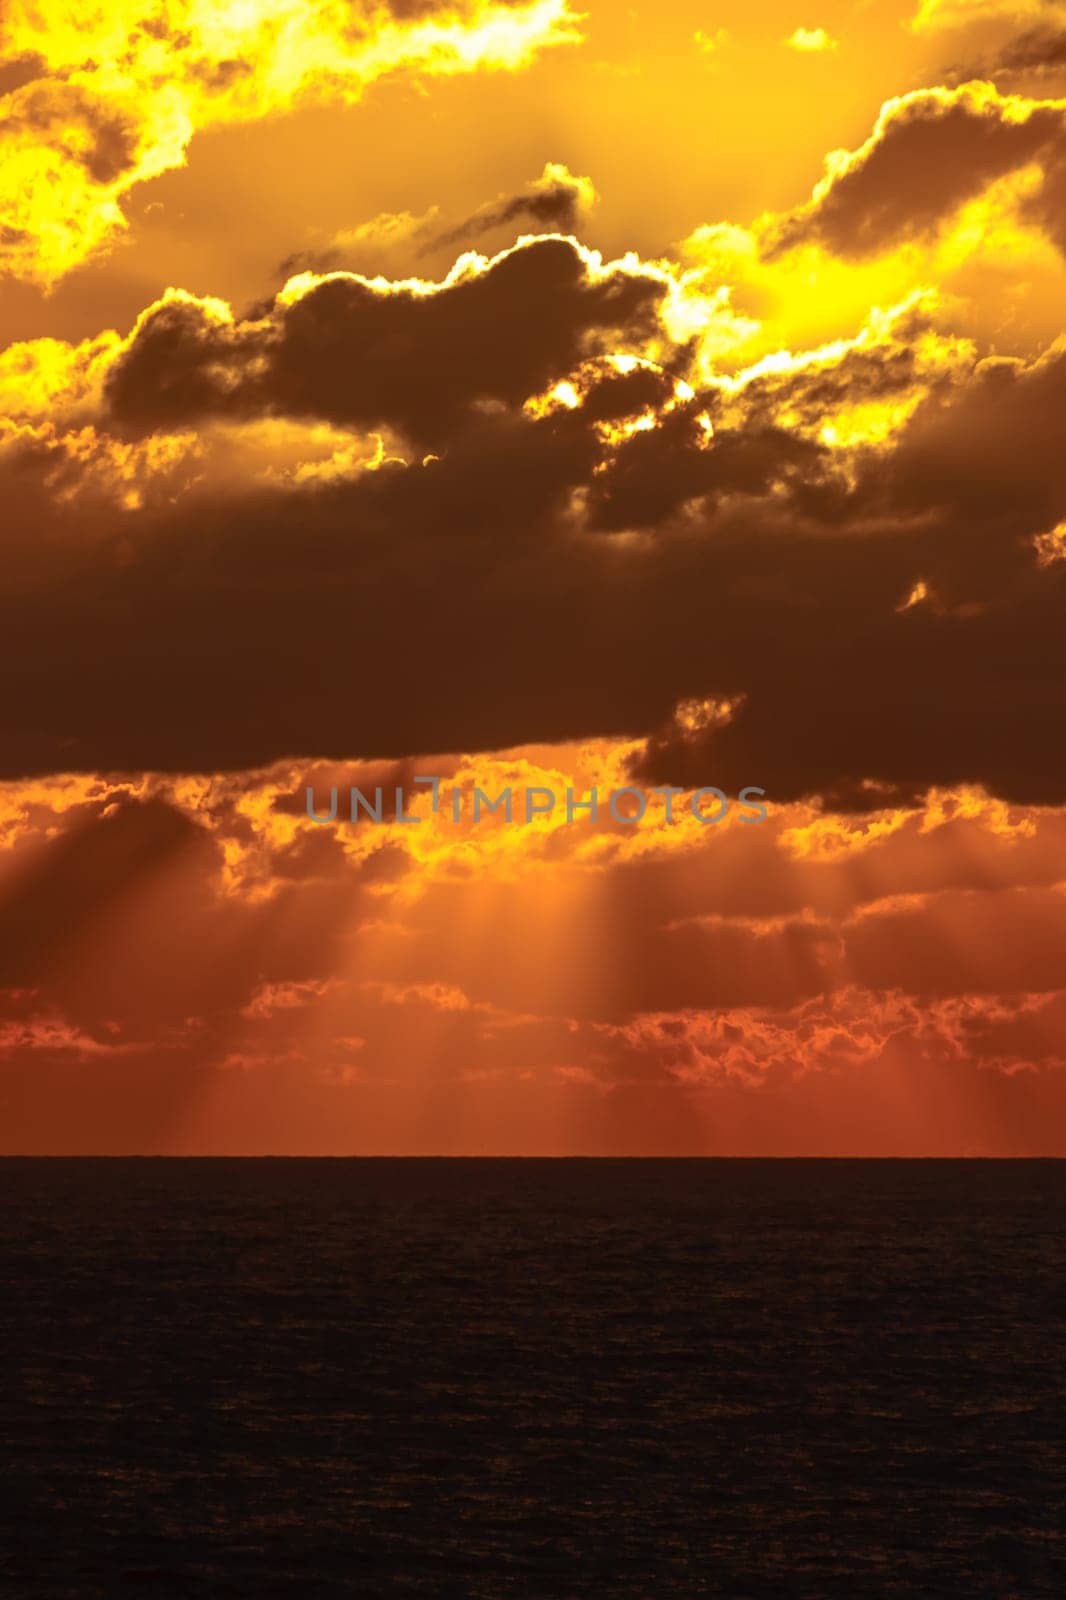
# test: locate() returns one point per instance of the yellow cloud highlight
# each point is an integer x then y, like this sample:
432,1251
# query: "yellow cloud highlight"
836,837
970,803
919,594
123,89
811,41
50,380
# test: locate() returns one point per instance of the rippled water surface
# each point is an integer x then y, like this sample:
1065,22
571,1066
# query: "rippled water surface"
533,1378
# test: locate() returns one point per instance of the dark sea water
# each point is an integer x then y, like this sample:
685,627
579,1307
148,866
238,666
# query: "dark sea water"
533,1378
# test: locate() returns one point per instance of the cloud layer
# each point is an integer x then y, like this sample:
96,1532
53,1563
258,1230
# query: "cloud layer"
782,506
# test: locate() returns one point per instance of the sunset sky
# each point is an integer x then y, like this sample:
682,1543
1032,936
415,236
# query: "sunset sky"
632,395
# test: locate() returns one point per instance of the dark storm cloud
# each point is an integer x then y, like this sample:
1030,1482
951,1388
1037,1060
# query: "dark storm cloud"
655,473
842,684
553,576
357,353
932,150
451,606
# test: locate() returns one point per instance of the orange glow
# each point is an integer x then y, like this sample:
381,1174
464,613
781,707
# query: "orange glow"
550,397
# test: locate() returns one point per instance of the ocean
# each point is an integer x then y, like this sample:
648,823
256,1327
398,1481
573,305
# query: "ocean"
491,1378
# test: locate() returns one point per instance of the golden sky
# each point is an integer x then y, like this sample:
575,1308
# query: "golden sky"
628,396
